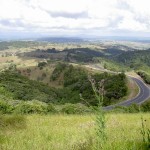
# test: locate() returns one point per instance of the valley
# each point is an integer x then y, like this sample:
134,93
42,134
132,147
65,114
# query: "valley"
62,81
41,60
74,75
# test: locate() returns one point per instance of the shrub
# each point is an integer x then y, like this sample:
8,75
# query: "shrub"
57,71
30,107
145,107
120,109
42,64
145,76
28,70
19,87
75,109
5,107
51,108
134,108
6,93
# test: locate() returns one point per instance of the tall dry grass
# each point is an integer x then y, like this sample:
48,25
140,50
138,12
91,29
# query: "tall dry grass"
74,132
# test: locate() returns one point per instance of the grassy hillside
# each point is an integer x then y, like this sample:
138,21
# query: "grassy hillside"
15,86
74,81
133,58
39,96
77,79
71,132
18,44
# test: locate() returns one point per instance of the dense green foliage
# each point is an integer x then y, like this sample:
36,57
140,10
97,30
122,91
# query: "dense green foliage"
134,59
145,76
82,54
38,107
134,108
111,65
69,55
20,87
76,82
58,70
5,108
146,106
31,107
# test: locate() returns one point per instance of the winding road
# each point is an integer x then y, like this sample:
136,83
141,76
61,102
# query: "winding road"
143,95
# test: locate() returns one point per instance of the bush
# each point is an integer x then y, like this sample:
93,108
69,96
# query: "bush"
51,108
5,107
120,109
42,64
75,109
144,76
145,107
57,71
19,87
30,107
134,108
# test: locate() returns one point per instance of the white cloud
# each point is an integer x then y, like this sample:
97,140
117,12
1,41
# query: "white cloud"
75,16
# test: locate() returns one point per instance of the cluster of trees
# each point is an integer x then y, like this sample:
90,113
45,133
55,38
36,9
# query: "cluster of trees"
76,82
25,107
82,54
134,108
134,59
144,76
42,64
38,107
69,55
21,88
111,65
58,70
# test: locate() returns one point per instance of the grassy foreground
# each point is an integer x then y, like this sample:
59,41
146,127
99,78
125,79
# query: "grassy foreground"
67,132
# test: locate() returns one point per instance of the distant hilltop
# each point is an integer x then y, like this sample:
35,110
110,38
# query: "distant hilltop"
61,39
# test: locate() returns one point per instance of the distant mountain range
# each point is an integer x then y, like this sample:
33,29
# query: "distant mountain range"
61,39
121,38
78,39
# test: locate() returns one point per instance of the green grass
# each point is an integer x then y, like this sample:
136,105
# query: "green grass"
67,132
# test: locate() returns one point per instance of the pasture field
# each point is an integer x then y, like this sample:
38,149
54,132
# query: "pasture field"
71,132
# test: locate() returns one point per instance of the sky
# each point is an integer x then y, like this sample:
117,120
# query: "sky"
79,18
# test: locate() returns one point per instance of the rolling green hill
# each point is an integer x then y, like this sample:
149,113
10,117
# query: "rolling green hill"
74,82
134,58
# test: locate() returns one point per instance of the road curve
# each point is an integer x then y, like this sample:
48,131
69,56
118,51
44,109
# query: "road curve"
144,94
144,91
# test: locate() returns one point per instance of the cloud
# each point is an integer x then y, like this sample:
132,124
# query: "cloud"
99,17
12,23
77,15
124,5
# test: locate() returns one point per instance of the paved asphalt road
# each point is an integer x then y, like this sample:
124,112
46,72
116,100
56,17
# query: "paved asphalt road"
144,94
